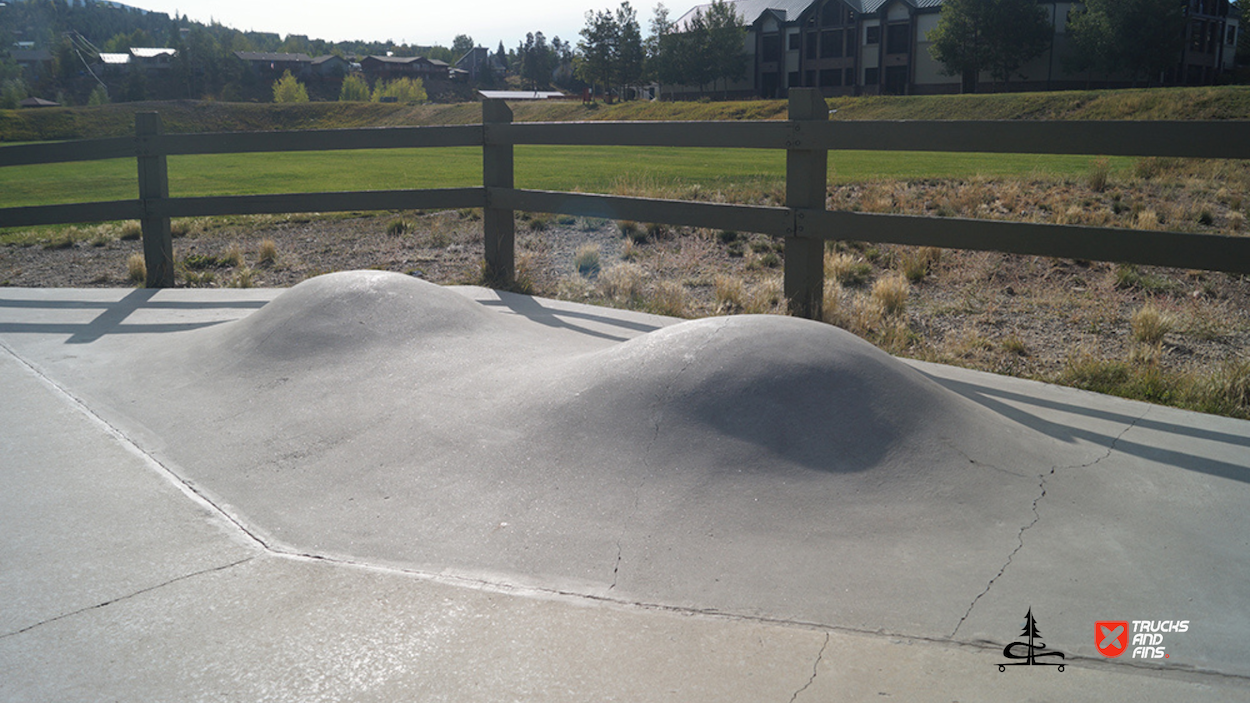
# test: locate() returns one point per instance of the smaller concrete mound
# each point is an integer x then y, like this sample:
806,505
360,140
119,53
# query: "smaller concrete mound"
755,390
342,314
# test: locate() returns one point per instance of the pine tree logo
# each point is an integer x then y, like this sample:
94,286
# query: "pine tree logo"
1032,649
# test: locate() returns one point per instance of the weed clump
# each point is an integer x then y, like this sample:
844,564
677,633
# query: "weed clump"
398,227
669,298
846,269
1099,170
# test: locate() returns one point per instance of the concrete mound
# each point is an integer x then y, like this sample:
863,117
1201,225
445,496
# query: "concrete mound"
345,312
380,418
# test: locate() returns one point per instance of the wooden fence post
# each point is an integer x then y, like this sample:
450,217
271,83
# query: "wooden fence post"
158,245
497,224
807,173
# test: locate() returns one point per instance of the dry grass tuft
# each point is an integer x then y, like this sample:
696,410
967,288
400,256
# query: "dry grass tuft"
1150,324
890,291
669,298
622,283
136,269
587,259
131,230
1099,170
766,298
846,268
730,294
267,253
916,263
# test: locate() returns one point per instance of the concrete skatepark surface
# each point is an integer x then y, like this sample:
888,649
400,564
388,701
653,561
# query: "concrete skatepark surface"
370,487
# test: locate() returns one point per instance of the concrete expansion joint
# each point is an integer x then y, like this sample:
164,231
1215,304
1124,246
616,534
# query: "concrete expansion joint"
815,670
128,596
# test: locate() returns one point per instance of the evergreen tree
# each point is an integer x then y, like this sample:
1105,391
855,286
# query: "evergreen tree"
628,54
726,35
597,49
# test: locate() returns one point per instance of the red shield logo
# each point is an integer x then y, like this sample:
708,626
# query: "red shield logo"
1111,637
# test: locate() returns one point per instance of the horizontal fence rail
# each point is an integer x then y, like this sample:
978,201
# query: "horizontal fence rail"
807,137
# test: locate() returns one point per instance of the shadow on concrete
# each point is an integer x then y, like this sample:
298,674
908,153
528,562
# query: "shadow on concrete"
111,318
530,308
992,398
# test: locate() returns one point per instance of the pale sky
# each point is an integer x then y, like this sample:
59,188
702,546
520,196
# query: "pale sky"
421,22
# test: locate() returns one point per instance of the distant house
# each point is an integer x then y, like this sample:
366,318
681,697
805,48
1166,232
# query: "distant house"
35,61
331,67
300,65
477,62
521,94
38,102
152,58
874,47
392,67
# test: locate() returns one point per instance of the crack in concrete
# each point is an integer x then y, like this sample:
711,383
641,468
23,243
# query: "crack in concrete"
662,399
128,596
1037,516
815,669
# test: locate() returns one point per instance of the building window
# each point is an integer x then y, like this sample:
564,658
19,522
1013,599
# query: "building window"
1232,36
871,76
811,44
809,79
898,39
831,78
792,80
771,50
794,42
873,35
849,78
831,44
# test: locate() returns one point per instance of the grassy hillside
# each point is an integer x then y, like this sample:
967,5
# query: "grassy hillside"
1219,103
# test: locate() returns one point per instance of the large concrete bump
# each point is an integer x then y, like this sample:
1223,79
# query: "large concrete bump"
755,468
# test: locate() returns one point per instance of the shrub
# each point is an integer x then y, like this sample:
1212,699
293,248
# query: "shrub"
397,227
233,256
289,90
404,90
539,224
354,89
587,259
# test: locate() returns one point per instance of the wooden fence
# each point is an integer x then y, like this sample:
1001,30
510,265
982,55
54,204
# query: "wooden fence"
807,137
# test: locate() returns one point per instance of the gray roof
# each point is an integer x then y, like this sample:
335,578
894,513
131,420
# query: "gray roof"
789,10
263,56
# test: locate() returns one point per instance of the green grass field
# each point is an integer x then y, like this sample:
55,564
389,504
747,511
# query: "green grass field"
588,169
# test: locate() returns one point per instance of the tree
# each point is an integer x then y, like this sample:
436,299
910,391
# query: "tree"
99,96
462,45
536,60
289,90
726,34
597,49
1139,37
501,57
404,90
354,89
998,36
628,55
